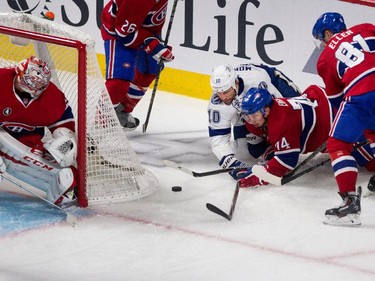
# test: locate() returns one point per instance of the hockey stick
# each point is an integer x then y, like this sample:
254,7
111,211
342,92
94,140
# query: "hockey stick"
160,67
220,212
261,172
311,156
70,218
197,174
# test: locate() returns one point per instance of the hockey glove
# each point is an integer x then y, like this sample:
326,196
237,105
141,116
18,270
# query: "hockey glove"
268,154
230,161
251,181
63,147
157,50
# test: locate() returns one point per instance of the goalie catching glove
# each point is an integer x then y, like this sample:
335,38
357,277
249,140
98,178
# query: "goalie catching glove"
230,161
157,50
63,147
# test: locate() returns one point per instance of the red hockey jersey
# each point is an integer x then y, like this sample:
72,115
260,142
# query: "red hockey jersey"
342,65
132,21
296,125
22,116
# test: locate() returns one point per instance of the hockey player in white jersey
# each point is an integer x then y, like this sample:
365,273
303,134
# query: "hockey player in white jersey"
229,84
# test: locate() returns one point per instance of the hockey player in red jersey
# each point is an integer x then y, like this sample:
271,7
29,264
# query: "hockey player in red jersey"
229,85
292,126
347,67
29,105
131,30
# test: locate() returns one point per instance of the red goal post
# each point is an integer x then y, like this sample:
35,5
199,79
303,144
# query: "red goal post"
108,169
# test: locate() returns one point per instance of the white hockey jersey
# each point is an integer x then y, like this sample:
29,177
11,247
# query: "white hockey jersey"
222,117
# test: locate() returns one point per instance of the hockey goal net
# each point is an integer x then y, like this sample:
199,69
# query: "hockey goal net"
109,170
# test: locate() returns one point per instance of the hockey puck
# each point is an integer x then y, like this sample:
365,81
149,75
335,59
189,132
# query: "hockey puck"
176,188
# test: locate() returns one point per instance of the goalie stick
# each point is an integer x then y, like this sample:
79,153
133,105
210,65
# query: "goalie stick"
144,128
202,174
70,218
220,212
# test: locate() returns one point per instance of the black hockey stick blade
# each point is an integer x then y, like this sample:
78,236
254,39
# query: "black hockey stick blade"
220,212
197,174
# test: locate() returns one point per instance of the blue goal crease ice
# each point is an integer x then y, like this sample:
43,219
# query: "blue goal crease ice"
19,213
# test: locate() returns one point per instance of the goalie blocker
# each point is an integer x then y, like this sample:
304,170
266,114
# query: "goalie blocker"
40,169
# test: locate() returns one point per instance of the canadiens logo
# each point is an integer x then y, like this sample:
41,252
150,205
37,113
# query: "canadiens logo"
126,65
7,111
159,17
29,6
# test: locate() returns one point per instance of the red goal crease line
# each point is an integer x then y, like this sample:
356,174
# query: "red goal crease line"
370,3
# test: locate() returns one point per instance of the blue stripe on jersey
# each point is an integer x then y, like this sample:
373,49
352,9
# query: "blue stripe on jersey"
135,92
239,132
308,122
344,164
363,155
218,132
288,158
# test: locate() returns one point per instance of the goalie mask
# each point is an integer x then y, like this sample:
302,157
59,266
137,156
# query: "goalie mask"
33,76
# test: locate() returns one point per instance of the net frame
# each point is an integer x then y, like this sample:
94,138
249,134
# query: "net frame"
143,181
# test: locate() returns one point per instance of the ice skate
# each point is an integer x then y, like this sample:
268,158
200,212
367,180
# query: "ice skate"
348,213
127,120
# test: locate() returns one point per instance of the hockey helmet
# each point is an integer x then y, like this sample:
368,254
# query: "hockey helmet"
256,99
223,77
33,76
332,21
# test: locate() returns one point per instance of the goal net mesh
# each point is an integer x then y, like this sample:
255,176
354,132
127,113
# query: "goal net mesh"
109,169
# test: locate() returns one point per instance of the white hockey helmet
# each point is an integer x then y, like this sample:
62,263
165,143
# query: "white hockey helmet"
223,77
33,76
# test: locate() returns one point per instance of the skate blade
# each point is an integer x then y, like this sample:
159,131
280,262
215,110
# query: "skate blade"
137,122
353,220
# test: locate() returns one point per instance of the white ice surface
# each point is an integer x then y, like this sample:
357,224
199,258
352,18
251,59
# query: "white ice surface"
276,232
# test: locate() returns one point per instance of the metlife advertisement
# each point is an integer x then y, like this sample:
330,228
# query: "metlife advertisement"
210,32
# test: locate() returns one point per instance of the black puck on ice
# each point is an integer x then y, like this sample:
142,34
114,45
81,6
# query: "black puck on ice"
176,188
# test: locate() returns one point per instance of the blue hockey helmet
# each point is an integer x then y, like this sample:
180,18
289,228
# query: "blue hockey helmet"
256,99
332,21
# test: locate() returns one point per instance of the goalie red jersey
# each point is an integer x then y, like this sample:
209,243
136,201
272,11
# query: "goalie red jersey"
132,21
25,118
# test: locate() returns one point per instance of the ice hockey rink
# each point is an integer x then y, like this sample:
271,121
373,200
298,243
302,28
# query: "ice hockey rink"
276,232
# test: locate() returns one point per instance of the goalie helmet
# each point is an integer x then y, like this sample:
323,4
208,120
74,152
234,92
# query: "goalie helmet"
223,77
256,99
332,21
33,76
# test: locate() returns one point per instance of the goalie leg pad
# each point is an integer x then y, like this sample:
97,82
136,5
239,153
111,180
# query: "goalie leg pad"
35,168
64,183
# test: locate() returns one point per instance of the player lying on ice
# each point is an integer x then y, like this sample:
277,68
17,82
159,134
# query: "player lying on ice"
30,106
229,85
292,127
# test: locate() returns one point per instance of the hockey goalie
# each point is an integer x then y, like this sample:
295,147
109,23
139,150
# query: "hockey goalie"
37,135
